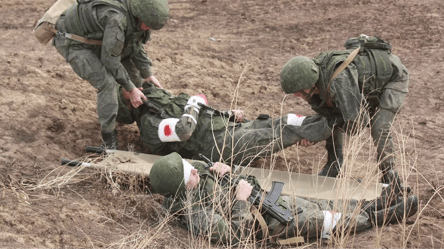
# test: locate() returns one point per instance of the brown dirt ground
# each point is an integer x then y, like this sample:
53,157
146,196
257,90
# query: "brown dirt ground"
49,113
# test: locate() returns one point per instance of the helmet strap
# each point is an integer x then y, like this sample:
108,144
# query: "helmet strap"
309,94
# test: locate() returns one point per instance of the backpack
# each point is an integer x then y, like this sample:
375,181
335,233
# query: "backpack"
367,42
44,28
372,61
370,54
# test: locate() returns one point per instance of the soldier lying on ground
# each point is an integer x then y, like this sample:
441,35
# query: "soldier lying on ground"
204,206
186,125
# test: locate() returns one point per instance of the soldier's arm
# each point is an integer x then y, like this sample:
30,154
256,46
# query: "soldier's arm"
112,46
143,63
125,113
349,99
181,129
315,128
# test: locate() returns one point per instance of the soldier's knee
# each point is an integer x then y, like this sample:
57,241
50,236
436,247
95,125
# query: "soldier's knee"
382,123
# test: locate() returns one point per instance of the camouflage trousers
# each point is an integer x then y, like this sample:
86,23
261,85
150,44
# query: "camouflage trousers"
391,101
85,62
311,222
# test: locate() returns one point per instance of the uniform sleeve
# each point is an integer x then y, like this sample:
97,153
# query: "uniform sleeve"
143,63
316,128
113,42
124,114
181,129
221,228
348,98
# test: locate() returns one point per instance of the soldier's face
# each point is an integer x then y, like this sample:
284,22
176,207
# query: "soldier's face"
144,27
194,180
306,94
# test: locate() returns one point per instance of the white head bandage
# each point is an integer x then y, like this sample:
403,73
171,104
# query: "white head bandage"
187,167
167,130
295,119
330,220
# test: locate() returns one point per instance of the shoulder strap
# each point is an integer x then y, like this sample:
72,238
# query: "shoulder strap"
50,28
82,39
344,64
273,238
284,242
263,225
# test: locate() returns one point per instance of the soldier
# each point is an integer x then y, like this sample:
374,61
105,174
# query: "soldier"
204,206
354,92
188,126
103,42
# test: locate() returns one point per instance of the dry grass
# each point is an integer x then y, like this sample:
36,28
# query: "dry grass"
359,158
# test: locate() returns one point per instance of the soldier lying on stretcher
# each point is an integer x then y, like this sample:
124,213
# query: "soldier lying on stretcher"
209,206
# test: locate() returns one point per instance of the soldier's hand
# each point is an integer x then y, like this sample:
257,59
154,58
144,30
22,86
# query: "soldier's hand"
126,94
243,190
220,169
238,115
135,97
153,80
305,142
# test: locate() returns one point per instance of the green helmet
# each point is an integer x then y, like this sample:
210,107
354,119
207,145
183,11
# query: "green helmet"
299,73
166,176
154,13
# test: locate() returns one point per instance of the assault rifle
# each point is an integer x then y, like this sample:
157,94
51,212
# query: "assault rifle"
268,204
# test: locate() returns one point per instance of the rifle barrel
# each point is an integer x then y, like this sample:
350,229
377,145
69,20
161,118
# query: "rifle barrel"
69,162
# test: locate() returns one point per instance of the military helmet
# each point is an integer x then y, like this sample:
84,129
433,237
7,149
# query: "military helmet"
167,177
154,13
298,74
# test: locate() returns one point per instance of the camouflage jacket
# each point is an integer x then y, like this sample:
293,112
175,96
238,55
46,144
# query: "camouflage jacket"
212,211
164,105
122,39
348,96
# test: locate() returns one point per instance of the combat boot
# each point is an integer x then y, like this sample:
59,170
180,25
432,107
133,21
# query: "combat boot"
396,213
335,157
331,168
109,140
388,198
389,175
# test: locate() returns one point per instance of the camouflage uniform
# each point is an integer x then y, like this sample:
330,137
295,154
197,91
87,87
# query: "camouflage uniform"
381,104
376,80
211,210
209,218
214,134
120,59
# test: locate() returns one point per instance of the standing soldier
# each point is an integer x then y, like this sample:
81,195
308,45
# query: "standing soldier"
103,42
363,85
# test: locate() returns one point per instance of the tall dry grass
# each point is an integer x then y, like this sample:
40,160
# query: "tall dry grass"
360,160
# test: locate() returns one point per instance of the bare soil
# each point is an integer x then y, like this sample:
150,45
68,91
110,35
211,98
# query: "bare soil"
49,113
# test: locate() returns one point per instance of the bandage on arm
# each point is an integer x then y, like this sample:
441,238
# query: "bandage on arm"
179,130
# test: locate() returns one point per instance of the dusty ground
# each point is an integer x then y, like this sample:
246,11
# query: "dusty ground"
48,113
